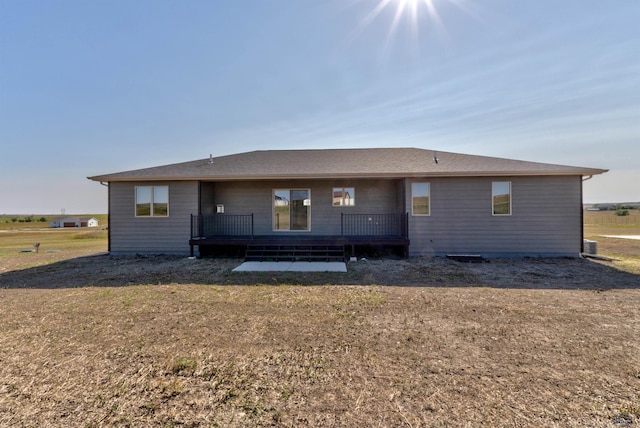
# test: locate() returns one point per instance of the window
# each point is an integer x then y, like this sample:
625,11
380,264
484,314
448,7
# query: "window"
344,196
291,209
152,201
501,197
420,199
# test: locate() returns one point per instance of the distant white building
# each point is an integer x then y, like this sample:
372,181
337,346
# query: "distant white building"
73,222
89,222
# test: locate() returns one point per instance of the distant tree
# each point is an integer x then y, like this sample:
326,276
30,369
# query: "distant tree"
42,220
14,219
621,211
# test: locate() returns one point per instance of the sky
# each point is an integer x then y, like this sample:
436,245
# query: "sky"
102,86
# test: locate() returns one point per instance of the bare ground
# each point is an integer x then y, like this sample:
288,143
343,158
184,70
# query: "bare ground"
104,270
167,341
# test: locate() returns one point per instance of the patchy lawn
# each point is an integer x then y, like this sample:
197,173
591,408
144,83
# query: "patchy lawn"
93,340
198,355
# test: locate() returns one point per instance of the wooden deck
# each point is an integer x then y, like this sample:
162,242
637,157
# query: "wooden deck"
373,230
344,241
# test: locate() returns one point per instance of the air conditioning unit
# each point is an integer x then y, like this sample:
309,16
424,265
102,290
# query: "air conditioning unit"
590,247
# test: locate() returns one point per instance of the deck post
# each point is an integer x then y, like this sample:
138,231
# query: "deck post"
405,231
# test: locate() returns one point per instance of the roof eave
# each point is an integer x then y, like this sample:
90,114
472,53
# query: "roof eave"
581,172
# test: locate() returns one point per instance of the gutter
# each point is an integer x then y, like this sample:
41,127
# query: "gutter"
330,175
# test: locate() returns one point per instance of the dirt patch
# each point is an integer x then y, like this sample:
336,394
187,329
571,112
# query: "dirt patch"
169,341
325,356
91,340
104,270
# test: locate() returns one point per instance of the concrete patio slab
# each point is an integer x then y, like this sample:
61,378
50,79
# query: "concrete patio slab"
291,267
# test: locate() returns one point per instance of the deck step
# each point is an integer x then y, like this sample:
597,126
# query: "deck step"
278,252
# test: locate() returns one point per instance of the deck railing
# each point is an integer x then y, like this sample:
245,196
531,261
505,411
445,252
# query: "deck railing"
221,225
241,225
374,225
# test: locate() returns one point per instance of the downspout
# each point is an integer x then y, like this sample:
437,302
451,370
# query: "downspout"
582,213
108,215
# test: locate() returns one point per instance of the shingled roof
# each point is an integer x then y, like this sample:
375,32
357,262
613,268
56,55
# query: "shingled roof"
343,163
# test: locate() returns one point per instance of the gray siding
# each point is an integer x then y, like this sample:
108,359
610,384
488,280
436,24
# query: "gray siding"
371,197
151,235
545,220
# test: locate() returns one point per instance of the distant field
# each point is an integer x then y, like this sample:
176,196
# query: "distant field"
599,223
609,218
55,244
16,222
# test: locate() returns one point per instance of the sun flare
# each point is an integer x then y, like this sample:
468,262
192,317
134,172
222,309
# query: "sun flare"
418,13
410,8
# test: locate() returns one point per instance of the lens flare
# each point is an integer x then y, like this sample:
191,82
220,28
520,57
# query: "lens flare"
419,14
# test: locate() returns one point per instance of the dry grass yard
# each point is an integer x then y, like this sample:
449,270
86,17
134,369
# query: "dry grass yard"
93,340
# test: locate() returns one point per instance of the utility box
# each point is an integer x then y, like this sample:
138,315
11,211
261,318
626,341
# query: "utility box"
590,247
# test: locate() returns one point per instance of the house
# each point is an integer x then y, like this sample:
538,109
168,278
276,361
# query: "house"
73,222
426,203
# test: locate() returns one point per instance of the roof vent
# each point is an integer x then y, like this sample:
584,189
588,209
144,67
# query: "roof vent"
210,158
435,157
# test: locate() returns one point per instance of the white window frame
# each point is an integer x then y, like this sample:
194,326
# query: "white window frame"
493,195
151,210
428,183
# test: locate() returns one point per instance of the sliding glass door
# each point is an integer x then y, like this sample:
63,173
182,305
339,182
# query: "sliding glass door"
291,209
